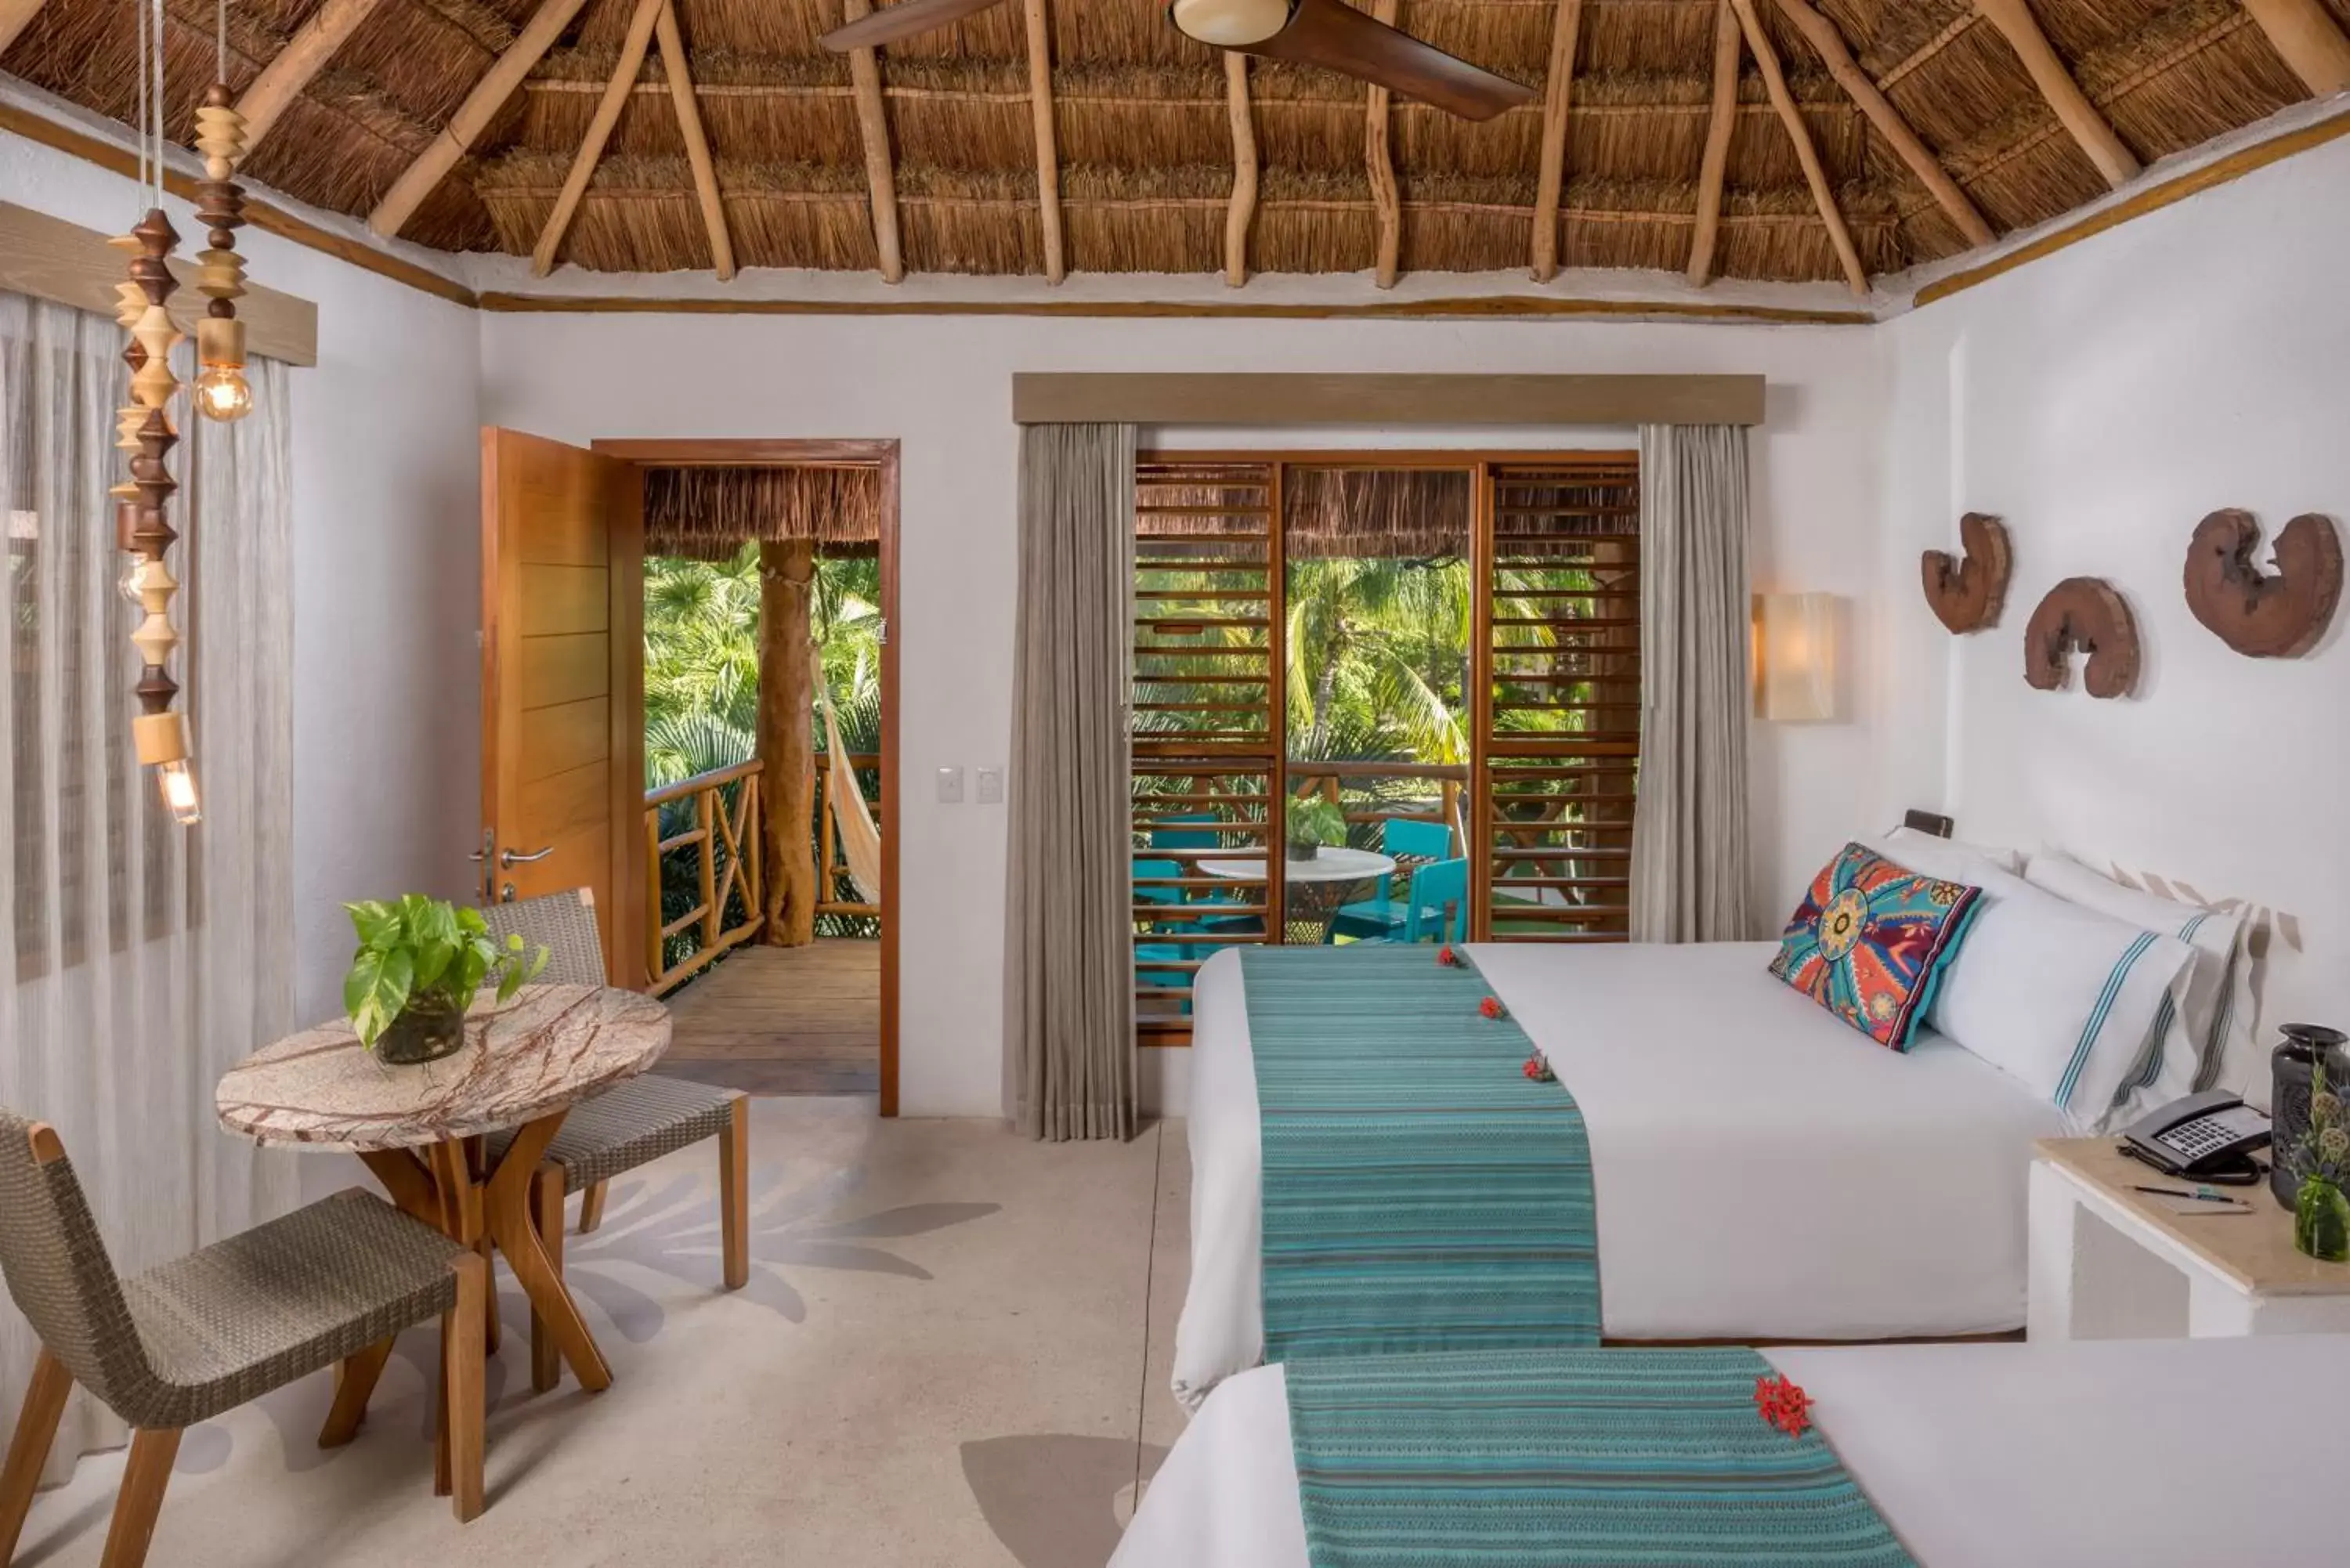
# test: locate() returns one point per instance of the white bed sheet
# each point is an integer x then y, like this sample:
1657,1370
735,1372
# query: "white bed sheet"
2139,1452
1761,1171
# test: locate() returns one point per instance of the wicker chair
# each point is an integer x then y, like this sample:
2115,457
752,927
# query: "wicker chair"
629,1125
329,1284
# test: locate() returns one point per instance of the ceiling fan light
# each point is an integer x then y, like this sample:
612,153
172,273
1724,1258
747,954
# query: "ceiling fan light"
1229,24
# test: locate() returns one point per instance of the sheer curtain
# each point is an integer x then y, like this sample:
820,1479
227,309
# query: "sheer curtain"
146,957
1069,1066
1689,823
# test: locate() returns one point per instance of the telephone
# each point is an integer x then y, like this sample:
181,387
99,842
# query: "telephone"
2208,1136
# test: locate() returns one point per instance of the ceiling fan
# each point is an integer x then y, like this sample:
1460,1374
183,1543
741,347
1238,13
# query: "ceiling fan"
1326,33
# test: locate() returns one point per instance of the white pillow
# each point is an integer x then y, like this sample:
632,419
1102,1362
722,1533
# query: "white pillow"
2009,860
2206,1012
2061,998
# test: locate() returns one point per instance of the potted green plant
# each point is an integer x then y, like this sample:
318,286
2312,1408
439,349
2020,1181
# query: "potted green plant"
421,962
1312,824
2321,1216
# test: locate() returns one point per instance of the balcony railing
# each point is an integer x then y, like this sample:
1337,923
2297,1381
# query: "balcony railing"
832,871
701,849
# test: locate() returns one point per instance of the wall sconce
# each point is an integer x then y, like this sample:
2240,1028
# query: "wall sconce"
1796,657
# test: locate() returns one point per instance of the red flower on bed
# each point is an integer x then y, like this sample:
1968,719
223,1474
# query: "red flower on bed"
1537,1067
1784,1405
1491,1007
1447,956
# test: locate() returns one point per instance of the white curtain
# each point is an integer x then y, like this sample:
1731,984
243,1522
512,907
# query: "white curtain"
1688,833
145,958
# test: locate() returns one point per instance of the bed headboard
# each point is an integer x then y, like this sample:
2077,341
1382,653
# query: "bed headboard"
1927,822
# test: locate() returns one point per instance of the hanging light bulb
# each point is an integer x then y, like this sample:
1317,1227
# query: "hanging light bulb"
132,582
178,782
222,391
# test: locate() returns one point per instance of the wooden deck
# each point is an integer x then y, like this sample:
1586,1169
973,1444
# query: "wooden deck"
783,1021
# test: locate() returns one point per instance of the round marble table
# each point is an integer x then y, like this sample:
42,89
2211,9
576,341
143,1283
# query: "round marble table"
423,1129
1316,889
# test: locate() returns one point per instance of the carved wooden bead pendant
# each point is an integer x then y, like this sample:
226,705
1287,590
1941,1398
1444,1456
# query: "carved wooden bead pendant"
2278,614
1967,594
2083,614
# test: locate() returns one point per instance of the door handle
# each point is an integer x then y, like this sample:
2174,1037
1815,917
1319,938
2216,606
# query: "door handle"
508,860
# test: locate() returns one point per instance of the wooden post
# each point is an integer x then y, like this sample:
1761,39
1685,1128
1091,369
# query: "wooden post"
2307,40
1724,119
2073,110
786,742
1242,211
1386,200
1552,174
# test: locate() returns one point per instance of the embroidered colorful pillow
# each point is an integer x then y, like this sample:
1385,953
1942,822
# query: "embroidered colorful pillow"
1870,940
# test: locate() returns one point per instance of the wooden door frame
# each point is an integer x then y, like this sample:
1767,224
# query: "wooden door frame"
761,451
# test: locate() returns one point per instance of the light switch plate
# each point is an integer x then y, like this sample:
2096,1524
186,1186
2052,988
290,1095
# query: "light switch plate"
950,786
990,786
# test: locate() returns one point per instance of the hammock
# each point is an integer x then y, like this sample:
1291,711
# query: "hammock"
861,840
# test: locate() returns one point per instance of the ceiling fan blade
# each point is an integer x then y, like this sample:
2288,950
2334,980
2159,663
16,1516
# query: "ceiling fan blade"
1335,37
893,23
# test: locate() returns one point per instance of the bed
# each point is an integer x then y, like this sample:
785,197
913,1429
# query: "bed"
1976,1456
1760,1170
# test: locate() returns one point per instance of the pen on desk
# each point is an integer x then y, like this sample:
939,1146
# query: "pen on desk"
2175,1192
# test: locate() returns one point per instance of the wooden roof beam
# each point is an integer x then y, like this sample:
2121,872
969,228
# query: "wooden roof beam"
1386,202
697,145
1724,119
873,129
2074,112
16,15
489,95
1242,211
1566,23
599,130
2307,40
1774,80
1048,155
281,81
1824,38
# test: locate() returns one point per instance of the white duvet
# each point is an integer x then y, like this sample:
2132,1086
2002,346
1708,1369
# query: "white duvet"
1761,1171
2144,1452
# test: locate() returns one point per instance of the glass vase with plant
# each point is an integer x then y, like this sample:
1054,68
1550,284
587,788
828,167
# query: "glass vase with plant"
1312,824
421,962
2321,1159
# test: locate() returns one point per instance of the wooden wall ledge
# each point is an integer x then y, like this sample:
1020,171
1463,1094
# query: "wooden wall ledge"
1046,398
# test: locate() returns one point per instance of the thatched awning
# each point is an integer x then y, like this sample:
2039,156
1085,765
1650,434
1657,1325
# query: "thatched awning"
709,514
1397,511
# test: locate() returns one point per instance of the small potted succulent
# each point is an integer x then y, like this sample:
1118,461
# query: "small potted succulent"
1312,824
421,962
2321,1161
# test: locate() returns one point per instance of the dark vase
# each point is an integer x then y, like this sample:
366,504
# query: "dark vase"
1304,851
2290,1066
429,1028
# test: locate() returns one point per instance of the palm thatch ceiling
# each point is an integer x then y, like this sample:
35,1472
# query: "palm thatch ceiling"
1932,126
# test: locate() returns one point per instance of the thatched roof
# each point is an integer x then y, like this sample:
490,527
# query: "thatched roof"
1146,153
709,514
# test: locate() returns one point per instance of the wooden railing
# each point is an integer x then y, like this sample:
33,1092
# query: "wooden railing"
720,877
1328,779
831,871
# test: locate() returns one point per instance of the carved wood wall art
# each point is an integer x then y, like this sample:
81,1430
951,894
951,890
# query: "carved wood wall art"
2083,613
2278,614
1967,593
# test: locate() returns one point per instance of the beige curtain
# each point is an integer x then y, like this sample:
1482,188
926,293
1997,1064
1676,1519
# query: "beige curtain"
1069,944
1689,835
145,959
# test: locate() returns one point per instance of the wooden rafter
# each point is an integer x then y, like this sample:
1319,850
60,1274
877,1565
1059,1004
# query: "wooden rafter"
1242,211
16,15
281,81
1723,120
2307,40
1815,175
1387,204
1824,38
2073,110
1557,93
697,145
599,130
489,95
1048,156
873,129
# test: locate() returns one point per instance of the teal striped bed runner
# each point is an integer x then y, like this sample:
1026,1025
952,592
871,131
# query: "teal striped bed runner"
1419,1192
1565,1459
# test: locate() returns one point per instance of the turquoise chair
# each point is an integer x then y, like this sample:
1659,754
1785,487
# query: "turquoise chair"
1146,869
1171,979
1380,918
1436,908
1208,837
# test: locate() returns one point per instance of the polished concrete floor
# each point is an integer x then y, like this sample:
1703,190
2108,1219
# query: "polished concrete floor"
953,1350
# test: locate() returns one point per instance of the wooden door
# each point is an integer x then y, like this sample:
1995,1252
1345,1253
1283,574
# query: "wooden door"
563,683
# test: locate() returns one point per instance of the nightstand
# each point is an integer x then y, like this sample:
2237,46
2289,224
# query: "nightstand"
2110,1263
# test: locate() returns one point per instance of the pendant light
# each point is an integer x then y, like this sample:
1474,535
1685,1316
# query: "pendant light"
222,391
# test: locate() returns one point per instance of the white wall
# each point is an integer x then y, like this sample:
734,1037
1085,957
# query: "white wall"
386,570
2102,401
943,386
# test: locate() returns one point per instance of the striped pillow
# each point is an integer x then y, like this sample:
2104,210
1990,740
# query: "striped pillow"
2062,997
